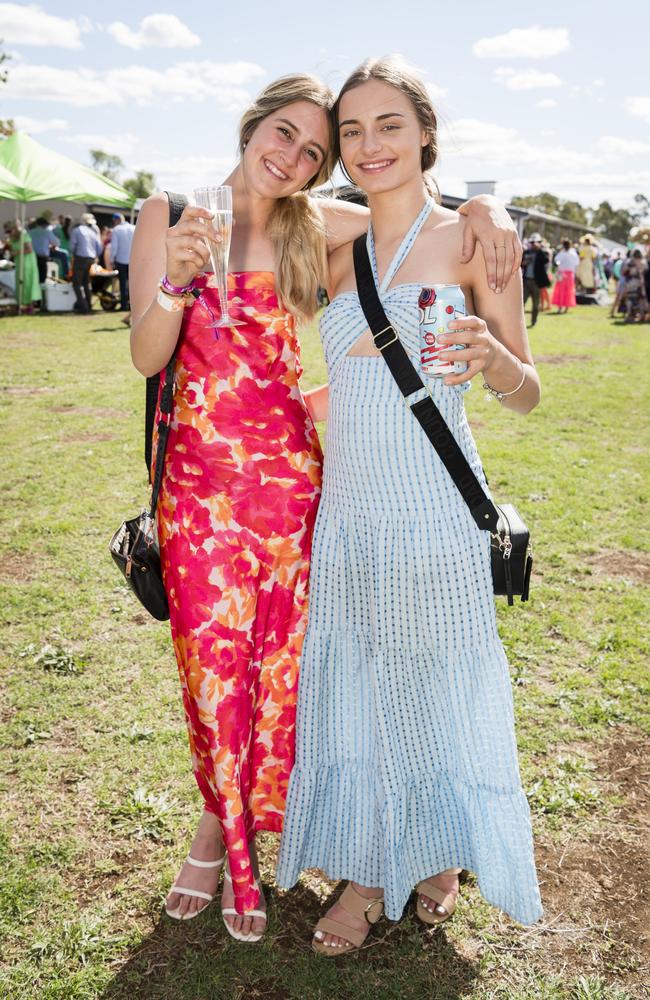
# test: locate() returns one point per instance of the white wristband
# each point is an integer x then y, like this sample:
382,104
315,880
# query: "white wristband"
170,303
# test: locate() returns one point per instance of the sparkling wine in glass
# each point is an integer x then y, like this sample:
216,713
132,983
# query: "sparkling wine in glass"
218,201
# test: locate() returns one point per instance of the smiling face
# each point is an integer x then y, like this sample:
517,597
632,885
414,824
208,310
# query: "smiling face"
380,137
286,150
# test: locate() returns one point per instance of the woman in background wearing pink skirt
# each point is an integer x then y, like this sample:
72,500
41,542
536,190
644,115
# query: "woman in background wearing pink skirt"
564,292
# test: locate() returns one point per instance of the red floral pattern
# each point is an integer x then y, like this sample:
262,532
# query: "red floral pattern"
235,519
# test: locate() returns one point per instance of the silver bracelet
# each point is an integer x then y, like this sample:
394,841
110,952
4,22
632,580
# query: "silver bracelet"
490,392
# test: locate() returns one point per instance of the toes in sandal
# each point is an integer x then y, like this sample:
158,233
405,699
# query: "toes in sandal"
363,907
175,914
446,901
228,911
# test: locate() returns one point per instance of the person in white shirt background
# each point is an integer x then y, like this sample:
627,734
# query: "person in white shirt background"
564,292
118,253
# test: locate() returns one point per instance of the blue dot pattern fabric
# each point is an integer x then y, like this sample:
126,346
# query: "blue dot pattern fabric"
406,761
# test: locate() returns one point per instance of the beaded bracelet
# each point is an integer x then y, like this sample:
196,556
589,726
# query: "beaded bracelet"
490,392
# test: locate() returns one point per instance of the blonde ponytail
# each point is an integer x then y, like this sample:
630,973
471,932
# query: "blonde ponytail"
295,226
297,232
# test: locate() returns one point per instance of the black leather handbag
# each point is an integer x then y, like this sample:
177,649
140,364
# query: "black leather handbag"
511,552
134,546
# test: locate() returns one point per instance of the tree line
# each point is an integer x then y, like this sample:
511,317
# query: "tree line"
111,166
616,223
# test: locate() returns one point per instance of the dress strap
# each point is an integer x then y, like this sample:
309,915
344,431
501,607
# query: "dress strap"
402,250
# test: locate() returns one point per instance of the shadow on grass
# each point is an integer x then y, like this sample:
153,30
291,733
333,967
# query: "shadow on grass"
198,960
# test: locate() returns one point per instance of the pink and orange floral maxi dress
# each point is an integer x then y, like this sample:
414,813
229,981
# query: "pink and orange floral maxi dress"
237,506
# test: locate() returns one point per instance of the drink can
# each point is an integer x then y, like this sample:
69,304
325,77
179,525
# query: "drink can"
438,306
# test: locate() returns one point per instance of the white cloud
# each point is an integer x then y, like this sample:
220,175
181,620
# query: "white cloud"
435,92
612,145
524,43
183,173
30,25
639,106
162,31
121,144
223,83
528,79
492,145
36,125
546,102
587,90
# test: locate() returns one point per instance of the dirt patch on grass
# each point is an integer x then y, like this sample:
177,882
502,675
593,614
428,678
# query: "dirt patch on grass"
81,437
22,340
18,567
26,390
596,888
90,411
622,564
562,359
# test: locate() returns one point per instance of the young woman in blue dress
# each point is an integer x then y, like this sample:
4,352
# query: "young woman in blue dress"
406,765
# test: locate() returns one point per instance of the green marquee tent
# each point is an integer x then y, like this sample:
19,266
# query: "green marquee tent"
9,185
43,175
30,172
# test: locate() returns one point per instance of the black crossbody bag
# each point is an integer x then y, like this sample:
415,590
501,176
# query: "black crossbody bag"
134,546
511,552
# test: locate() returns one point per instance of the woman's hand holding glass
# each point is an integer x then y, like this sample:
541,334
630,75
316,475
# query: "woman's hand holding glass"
187,251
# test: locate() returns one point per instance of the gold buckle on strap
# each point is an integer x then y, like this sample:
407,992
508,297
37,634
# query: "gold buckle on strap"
385,330
368,910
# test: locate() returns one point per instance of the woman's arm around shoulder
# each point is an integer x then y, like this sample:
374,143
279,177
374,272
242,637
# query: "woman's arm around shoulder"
489,224
344,221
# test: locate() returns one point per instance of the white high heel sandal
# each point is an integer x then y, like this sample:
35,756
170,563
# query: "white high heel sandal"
228,911
197,893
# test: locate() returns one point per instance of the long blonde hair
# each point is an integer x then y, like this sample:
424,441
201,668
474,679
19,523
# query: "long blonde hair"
393,71
295,227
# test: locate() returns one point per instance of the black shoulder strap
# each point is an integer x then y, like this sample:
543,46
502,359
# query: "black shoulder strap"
425,411
177,203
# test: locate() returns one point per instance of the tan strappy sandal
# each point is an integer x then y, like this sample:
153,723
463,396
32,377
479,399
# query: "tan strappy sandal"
446,901
357,905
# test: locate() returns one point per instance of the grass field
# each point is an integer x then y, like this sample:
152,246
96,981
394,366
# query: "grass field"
98,803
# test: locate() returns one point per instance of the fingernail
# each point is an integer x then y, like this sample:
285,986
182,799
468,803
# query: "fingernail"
318,935
492,285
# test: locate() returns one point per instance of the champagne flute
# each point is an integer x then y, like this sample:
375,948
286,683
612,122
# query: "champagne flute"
218,200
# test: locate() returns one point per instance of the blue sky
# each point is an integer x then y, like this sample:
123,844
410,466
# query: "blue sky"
552,100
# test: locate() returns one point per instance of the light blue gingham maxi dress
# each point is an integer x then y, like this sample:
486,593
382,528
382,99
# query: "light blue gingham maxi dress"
406,761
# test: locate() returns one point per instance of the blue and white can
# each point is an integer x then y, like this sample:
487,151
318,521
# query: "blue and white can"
438,306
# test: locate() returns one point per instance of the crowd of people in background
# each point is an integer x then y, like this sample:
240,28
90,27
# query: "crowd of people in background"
82,253
85,254
583,271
